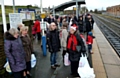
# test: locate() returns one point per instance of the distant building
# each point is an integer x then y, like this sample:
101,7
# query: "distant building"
114,10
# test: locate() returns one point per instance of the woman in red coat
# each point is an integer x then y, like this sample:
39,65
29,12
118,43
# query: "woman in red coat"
73,41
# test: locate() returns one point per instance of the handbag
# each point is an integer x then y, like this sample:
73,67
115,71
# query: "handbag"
78,48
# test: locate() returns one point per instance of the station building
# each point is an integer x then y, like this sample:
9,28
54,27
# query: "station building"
114,10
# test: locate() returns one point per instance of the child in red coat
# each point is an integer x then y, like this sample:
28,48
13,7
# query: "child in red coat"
90,41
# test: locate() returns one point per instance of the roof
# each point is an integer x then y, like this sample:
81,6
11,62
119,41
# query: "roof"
65,5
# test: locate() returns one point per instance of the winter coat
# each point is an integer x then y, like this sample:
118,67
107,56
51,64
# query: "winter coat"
89,39
50,20
53,41
88,26
37,26
80,25
74,55
33,30
28,48
64,38
15,53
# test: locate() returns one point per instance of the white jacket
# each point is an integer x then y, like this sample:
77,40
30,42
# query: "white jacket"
64,38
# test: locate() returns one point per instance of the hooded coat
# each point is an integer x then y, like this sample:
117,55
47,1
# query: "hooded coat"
14,52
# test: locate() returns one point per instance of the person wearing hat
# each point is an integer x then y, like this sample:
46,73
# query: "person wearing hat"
90,42
73,41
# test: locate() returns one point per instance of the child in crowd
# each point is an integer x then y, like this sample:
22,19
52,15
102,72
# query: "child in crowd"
90,41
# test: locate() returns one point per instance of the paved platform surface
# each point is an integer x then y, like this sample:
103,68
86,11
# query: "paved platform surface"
106,63
43,67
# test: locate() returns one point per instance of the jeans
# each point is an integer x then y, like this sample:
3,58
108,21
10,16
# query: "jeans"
89,47
53,58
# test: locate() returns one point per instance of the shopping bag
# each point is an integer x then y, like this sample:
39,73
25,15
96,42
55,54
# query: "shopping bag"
66,59
85,71
33,60
82,61
7,67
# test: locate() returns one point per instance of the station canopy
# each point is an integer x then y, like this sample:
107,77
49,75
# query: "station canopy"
65,5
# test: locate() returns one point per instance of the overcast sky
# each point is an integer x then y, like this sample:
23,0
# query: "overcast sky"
91,4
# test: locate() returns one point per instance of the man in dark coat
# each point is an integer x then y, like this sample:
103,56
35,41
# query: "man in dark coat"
88,23
53,44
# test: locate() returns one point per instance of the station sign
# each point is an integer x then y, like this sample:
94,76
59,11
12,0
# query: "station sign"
15,19
29,14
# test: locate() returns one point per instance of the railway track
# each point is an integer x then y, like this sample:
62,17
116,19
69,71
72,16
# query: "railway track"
112,25
111,32
113,20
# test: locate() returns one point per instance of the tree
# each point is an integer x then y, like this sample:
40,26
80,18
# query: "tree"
91,10
84,9
96,11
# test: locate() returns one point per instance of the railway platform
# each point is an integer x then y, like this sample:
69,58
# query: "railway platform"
106,62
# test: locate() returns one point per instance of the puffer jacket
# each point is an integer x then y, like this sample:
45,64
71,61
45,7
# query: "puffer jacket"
14,52
53,41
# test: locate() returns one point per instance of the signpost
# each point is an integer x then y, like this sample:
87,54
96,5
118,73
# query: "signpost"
15,19
3,15
43,26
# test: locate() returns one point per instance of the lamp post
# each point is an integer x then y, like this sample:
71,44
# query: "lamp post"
77,9
53,11
14,6
3,16
43,26
41,9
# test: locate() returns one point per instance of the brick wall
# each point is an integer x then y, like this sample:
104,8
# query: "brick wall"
114,10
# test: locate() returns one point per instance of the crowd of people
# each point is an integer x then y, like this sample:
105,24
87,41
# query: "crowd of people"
65,32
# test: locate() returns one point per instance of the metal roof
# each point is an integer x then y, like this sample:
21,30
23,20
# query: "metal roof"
65,5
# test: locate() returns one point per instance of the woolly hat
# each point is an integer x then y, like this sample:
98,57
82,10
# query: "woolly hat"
90,33
74,27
